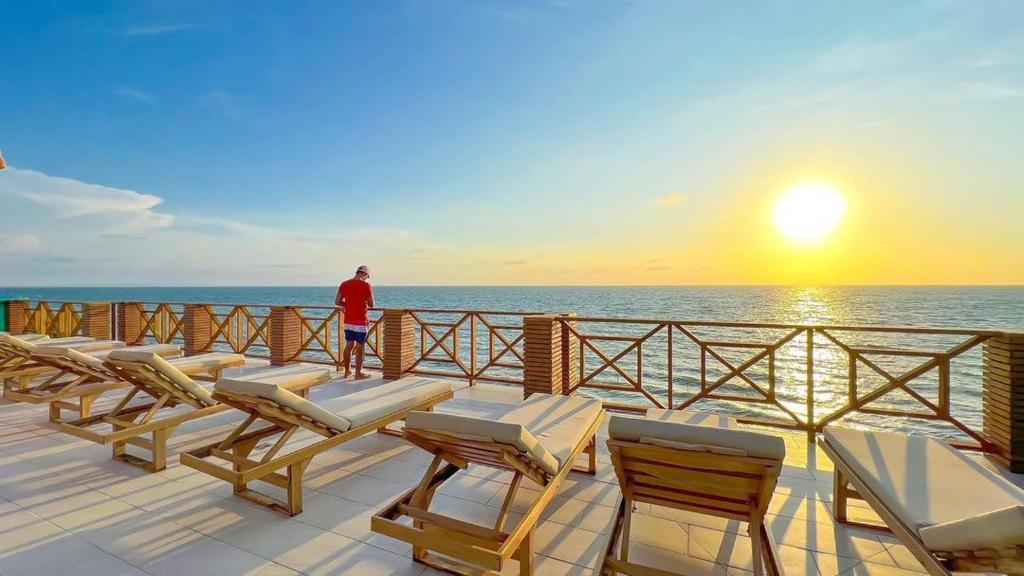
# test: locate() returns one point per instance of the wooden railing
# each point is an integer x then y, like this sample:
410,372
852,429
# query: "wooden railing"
476,345
795,376
163,322
322,336
54,318
240,328
785,375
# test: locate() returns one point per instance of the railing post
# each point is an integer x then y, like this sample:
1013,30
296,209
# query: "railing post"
1003,399
285,335
96,322
129,322
17,316
542,371
197,328
399,343
570,354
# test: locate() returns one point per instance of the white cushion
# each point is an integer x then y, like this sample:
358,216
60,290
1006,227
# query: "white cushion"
559,422
1002,528
691,417
692,447
57,353
26,336
471,428
95,359
164,368
545,428
165,350
89,345
923,481
374,403
268,389
208,361
704,438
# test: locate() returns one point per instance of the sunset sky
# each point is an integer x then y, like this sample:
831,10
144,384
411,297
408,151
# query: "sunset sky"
561,142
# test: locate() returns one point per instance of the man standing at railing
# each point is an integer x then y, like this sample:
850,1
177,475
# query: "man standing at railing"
355,298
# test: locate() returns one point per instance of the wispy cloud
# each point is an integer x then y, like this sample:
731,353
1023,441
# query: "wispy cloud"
857,55
135,94
223,103
981,91
155,29
674,199
19,243
124,212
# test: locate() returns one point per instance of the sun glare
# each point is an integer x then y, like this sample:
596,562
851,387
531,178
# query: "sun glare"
808,212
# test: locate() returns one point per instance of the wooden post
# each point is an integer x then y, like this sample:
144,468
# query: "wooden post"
17,316
198,328
570,355
96,322
542,371
399,343
1003,399
129,322
285,335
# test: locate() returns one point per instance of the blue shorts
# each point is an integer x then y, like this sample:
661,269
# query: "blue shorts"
353,336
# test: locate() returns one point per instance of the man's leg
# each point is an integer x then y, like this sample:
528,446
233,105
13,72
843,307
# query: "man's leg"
346,357
360,348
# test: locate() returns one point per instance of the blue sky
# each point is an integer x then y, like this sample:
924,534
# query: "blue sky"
498,142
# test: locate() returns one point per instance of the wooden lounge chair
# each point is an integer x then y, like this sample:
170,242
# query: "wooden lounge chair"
540,440
951,512
711,470
324,425
17,363
79,378
173,399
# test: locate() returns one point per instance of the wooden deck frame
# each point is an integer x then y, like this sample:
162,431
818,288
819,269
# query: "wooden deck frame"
283,423
847,484
734,487
87,384
130,423
470,548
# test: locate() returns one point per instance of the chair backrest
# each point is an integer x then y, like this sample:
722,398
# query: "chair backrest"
73,361
156,377
717,471
501,445
275,404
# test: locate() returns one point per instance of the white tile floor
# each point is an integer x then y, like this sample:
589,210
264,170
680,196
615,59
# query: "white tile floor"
66,508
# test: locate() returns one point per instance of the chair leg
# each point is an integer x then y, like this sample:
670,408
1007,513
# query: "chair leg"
85,405
757,546
627,518
295,487
593,455
160,448
526,555
839,496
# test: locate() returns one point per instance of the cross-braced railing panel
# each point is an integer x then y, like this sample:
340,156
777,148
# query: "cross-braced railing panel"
322,336
54,318
240,328
474,345
162,322
796,376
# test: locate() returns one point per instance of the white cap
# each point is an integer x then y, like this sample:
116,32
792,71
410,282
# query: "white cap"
364,269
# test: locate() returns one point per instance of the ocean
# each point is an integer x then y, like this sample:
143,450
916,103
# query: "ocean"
999,308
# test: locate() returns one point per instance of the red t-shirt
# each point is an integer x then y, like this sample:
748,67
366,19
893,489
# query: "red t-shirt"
355,293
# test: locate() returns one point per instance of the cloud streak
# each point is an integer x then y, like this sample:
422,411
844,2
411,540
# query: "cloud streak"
120,212
674,199
156,29
135,94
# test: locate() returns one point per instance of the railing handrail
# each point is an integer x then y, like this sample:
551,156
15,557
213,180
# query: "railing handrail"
798,326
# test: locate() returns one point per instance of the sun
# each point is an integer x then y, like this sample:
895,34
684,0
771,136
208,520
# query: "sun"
809,212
